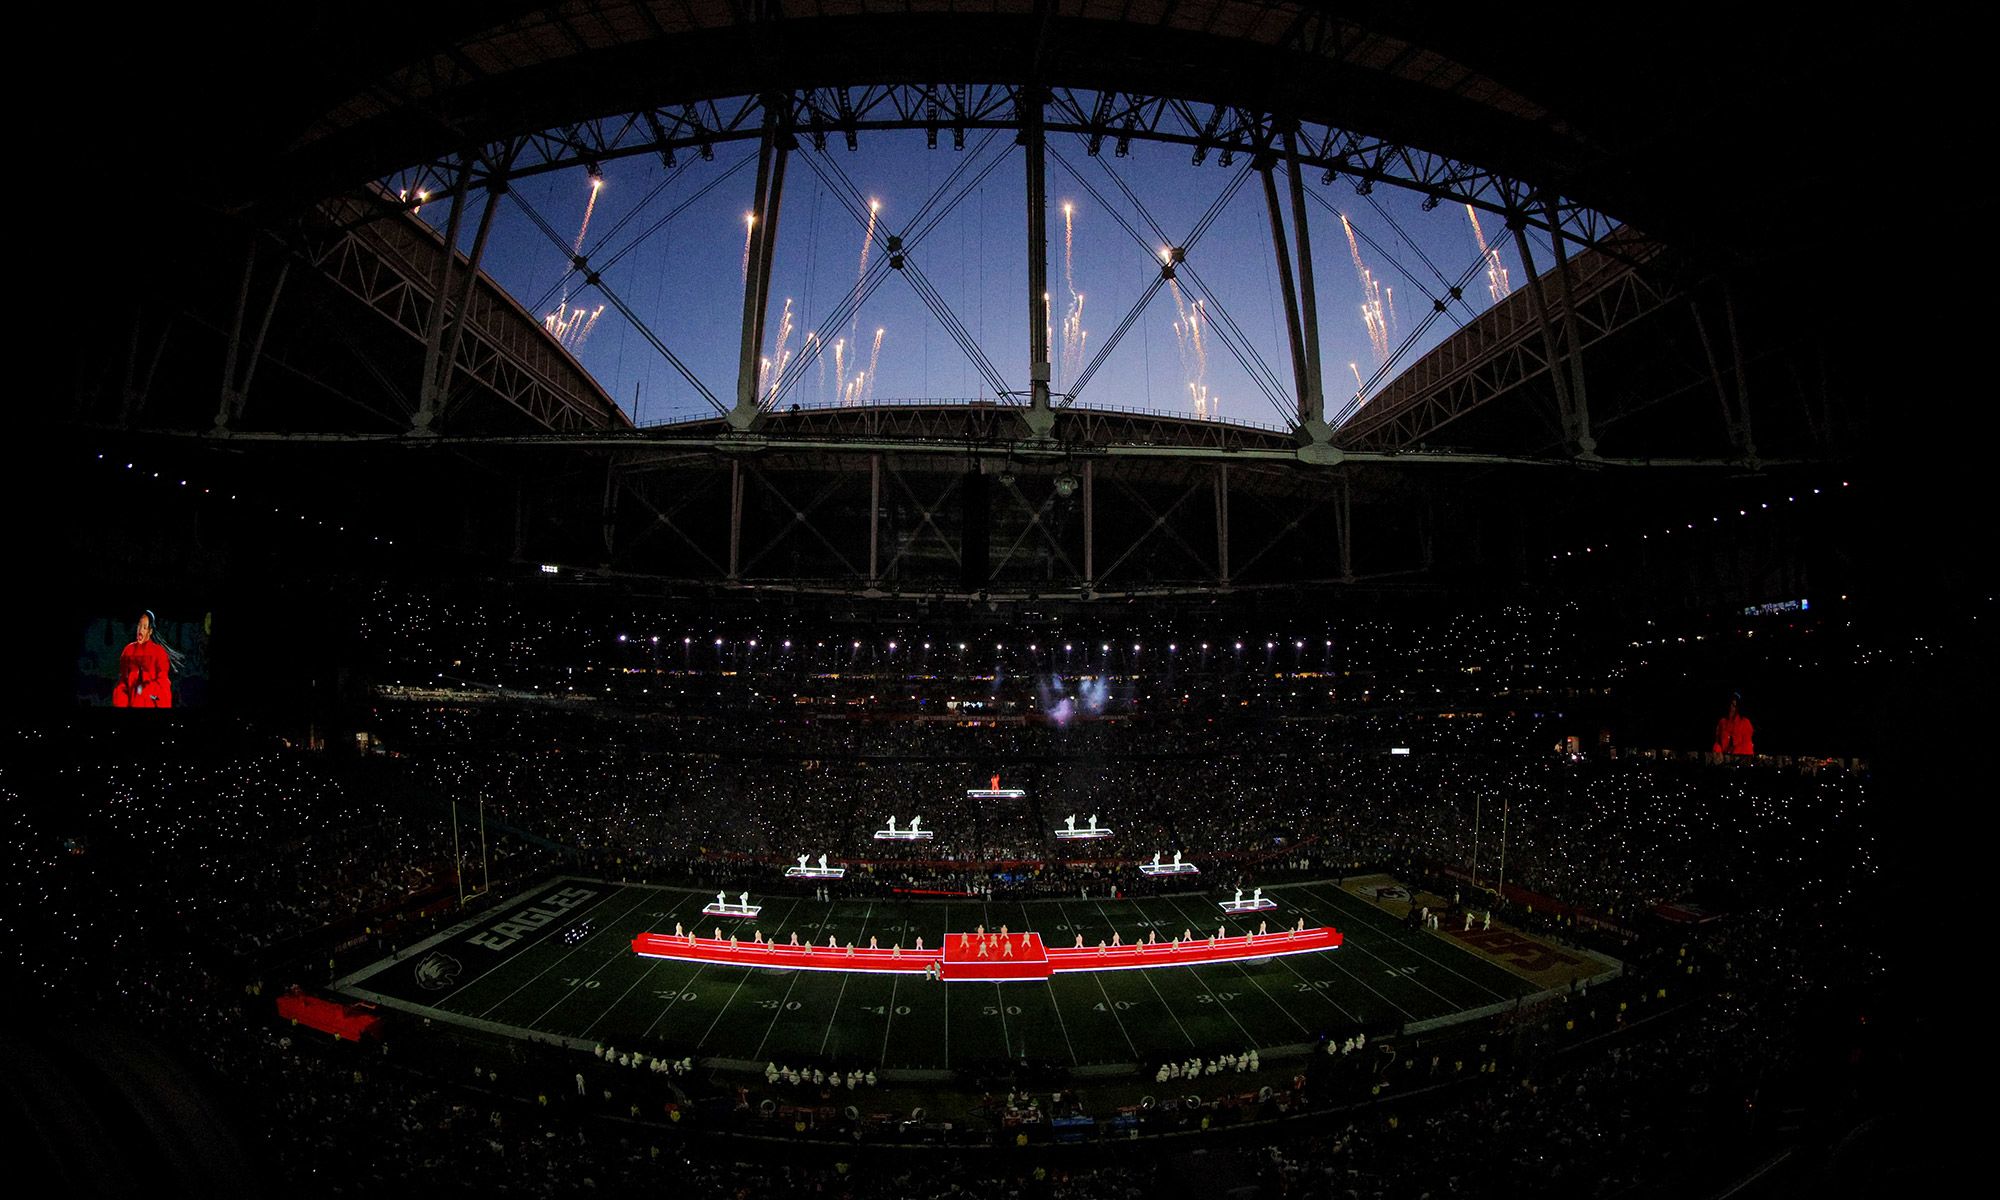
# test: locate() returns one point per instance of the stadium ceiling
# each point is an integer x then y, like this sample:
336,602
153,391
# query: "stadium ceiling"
1659,181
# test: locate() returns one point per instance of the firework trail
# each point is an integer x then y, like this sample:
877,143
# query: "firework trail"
874,355
1375,315
782,354
819,360
1389,295
840,369
749,227
1496,272
562,321
596,186
1072,334
570,326
1358,384
1192,346
860,273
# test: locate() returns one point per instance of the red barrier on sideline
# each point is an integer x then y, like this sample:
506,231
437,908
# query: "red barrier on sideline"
351,1021
961,961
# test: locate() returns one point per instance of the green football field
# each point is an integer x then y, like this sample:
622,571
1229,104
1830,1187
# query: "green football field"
522,967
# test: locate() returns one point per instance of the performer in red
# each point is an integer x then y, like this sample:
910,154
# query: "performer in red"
1732,732
143,678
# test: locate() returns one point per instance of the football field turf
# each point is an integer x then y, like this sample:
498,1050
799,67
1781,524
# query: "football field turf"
522,967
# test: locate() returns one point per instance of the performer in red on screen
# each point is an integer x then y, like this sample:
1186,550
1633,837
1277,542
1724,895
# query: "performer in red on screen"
1732,732
143,671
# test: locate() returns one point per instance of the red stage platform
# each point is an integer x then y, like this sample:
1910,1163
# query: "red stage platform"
961,961
351,1021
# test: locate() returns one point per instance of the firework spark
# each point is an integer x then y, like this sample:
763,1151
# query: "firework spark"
1376,315
1496,272
1192,345
1071,335
874,356
782,354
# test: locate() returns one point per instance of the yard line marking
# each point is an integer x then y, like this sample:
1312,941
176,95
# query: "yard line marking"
1147,976
1416,947
680,991
796,976
573,950
1286,962
651,965
743,979
1000,1006
1110,1006
1060,1023
1253,979
895,981
509,961
834,1019
574,991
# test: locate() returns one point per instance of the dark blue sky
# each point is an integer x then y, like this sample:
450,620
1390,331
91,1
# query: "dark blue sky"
685,279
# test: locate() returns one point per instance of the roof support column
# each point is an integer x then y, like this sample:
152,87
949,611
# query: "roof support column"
1222,524
1586,445
1286,290
771,154
1313,429
735,519
437,387
1538,301
427,398
1039,418
874,517
236,391
1089,526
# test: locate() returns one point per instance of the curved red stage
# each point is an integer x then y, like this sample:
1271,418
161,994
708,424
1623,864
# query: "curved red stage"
989,958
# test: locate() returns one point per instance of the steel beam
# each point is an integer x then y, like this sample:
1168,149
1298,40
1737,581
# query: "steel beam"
1038,417
874,517
427,394
1089,525
735,519
1222,524
1286,290
1312,417
459,316
1551,339
771,154
1086,113
1579,397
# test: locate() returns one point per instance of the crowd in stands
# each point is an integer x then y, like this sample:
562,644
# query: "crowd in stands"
177,886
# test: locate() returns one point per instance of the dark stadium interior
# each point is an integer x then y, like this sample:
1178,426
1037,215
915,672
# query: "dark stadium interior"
443,650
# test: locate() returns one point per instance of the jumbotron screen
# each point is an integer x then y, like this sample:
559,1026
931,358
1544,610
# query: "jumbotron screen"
147,660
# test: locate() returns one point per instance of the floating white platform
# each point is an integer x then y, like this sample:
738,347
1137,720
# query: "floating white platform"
1243,906
731,910
1079,835
815,872
1179,868
995,793
905,835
